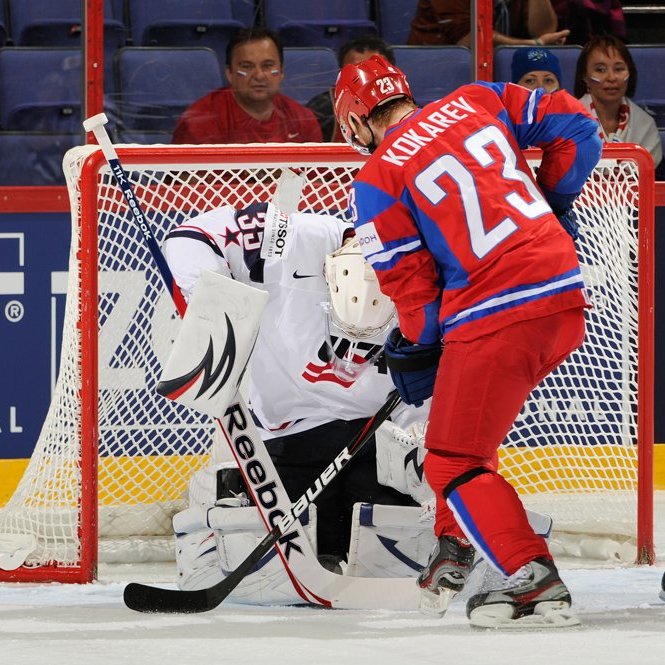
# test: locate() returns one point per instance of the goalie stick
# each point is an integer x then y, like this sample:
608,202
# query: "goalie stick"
144,598
312,582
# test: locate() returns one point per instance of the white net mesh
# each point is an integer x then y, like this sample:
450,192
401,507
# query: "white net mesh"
572,452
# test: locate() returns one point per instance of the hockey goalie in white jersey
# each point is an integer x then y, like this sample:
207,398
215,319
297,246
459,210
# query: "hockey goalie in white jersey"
316,378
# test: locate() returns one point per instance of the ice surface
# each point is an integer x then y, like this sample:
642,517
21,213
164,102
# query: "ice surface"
623,622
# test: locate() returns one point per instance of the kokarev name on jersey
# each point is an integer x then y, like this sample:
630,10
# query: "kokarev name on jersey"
411,141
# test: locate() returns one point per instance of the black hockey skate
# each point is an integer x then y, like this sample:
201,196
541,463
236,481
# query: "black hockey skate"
445,574
662,588
534,597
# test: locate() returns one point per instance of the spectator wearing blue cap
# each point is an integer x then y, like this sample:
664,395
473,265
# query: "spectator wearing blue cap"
536,67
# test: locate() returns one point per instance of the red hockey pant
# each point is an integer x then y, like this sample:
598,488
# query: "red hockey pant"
480,388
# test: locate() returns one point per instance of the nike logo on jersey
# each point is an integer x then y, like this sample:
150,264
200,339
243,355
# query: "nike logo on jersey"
297,276
292,136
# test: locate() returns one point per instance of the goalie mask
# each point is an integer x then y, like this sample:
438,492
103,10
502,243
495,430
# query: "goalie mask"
356,309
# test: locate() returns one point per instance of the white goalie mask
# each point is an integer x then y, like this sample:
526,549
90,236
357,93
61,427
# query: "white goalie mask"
356,309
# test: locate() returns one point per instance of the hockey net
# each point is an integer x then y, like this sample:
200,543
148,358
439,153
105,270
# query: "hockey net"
113,459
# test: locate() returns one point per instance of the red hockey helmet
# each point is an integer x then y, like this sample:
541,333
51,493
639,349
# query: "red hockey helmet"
361,88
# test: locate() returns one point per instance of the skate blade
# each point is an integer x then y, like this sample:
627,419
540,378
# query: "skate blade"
546,616
435,604
662,595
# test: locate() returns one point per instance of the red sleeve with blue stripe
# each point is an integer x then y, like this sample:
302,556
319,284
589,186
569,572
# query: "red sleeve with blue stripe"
559,125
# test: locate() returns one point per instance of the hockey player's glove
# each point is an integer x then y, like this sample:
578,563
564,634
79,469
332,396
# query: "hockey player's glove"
412,367
568,219
562,207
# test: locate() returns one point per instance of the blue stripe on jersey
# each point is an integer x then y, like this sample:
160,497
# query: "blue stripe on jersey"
393,251
454,275
464,519
515,297
431,331
370,201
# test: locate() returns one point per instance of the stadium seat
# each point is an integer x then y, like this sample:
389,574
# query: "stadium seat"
58,23
567,55
434,71
245,11
324,24
395,19
40,89
155,85
650,92
36,158
308,71
194,23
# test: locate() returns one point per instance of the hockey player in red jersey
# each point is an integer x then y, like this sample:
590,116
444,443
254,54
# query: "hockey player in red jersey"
476,253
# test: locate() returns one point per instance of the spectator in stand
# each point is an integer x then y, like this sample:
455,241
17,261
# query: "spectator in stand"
589,18
536,67
516,23
350,53
605,79
251,109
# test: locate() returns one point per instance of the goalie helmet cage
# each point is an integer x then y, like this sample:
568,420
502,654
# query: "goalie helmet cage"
113,459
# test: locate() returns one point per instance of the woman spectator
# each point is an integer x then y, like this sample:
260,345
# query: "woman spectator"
605,79
536,67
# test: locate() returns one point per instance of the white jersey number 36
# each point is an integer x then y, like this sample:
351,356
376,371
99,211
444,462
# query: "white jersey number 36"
482,241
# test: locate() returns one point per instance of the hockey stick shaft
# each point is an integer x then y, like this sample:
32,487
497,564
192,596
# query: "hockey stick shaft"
144,598
96,125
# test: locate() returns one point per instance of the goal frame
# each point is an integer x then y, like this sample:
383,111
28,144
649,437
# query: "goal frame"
284,156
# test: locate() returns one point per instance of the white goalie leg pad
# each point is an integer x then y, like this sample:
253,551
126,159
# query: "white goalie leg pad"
212,541
388,541
395,541
210,354
399,459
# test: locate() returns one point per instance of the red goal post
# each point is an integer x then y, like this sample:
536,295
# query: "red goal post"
113,459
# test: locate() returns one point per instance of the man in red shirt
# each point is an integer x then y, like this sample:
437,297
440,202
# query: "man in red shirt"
251,109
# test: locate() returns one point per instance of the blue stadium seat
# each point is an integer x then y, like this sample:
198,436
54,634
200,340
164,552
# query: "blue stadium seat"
40,89
36,158
567,55
194,23
58,23
308,71
155,85
117,10
324,24
395,19
434,71
650,92
245,11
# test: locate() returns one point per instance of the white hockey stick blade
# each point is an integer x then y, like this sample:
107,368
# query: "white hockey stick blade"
369,593
210,354
547,615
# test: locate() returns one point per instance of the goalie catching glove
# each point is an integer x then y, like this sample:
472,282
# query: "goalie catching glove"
412,367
